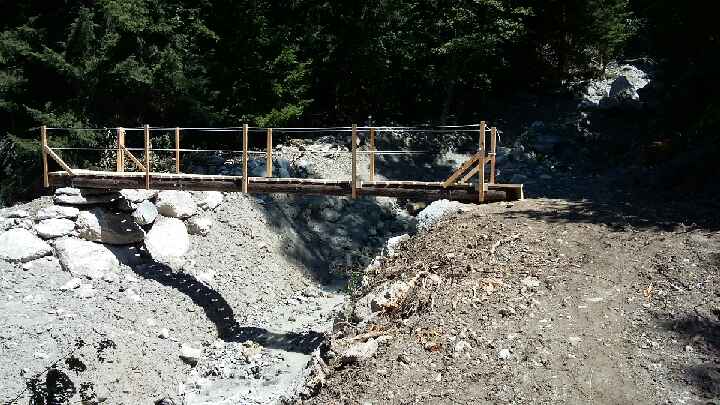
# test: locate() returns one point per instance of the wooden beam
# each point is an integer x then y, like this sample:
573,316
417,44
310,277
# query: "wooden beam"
43,143
353,178
177,150
470,174
493,145
135,160
245,159
147,156
172,181
372,154
58,160
460,170
268,154
120,164
481,164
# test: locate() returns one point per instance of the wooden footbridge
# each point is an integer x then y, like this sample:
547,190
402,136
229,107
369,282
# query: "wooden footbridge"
456,187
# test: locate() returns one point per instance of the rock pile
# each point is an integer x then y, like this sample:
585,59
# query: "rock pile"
85,227
620,85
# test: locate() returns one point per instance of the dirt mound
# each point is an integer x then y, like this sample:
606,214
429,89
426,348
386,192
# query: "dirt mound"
542,301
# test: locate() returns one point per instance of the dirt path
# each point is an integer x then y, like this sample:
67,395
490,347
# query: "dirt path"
544,301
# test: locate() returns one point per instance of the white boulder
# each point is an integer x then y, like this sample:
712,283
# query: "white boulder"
54,227
168,242
87,259
435,211
20,245
360,351
190,354
393,242
176,204
199,225
57,211
145,213
115,228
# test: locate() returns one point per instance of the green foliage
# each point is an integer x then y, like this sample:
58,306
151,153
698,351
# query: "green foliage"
270,63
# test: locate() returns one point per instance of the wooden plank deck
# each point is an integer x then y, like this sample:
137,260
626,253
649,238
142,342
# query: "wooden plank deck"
201,182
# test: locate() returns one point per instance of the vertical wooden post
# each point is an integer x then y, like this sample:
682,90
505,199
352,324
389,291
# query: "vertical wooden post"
245,159
481,163
372,154
493,145
120,167
147,156
177,150
353,180
43,145
268,154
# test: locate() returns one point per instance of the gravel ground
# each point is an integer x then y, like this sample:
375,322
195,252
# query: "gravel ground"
256,296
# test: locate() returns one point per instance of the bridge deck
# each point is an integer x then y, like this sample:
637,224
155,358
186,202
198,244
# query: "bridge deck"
171,181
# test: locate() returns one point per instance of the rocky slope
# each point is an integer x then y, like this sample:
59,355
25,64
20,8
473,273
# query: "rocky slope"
541,301
199,298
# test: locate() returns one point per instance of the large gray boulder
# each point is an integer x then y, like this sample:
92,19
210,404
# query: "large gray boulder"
20,245
175,204
168,242
435,211
86,259
620,84
115,228
57,211
145,213
54,227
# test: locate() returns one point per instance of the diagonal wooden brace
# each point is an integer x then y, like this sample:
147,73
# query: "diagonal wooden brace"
58,160
473,172
132,157
459,172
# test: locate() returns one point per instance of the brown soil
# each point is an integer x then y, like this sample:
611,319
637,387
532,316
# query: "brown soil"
593,307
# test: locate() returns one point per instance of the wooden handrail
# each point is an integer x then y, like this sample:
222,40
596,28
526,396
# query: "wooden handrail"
354,161
493,145
43,143
245,158
372,154
147,156
481,164
177,150
268,154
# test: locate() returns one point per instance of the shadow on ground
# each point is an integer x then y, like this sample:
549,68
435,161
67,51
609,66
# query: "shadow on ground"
705,333
617,204
220,313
